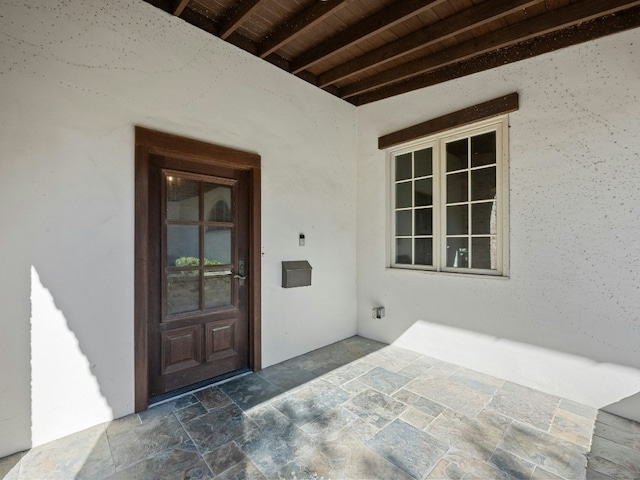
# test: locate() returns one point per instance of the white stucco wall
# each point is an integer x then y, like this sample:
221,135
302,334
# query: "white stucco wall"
567,320
75,77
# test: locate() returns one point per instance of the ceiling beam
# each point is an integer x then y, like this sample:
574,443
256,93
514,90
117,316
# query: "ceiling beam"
236,16
376,23
179,6
291,29
546,23
454,25
583,32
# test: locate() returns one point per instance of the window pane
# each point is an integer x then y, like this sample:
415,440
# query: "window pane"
458,252
424,251
423,162
403,167
217,203
483,149
483,184
183,291
458,220
482,253
183,245
217,246
403,195
403,223
483,218
424,221
217,289
458,155
183,199
403,250
457,187
424,192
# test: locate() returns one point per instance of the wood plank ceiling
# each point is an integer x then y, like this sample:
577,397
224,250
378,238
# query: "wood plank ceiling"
367,50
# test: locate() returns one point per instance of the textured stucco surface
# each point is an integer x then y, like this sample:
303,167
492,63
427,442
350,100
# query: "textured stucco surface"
566,321
75,77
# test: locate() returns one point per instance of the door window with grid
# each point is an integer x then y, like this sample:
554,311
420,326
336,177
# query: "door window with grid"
449,201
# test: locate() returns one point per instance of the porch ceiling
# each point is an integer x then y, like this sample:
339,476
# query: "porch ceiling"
364,50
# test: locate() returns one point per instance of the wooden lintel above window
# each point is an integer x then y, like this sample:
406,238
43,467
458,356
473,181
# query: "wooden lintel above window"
497,106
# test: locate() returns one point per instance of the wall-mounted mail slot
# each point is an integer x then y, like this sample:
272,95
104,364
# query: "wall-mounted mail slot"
296,274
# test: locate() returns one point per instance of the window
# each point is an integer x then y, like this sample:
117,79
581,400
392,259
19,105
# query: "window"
449,201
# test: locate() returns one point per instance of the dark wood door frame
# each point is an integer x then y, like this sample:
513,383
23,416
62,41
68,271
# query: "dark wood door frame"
150,142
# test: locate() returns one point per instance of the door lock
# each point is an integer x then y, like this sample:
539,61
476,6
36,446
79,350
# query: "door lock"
242,273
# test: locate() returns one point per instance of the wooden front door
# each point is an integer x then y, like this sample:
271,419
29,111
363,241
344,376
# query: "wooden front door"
197,268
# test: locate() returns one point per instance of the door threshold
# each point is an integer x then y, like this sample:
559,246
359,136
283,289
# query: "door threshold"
196,387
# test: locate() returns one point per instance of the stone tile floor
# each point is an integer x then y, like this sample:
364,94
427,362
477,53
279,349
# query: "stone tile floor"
356,409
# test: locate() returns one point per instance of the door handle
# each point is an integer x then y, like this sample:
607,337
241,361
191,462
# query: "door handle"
241,277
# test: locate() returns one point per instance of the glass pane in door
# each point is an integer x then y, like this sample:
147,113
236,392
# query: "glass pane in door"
183,291
183,197
217,288
217,246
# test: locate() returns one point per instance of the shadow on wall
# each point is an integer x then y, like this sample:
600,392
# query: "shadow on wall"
65,393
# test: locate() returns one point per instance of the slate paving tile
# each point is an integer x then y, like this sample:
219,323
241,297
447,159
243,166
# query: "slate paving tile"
417,367
525,405
623,437
456,466
168,465
393,358
572,427
329,425
84,455
451,393
250,390
138,442
346,458
544,450
425,405
272,447
168,407
578,408
212,397
626,457
513,466
476,437
593,475
408,448
476,381
218,427
189,413
611,469
336,422
287,378
542,474
224,457
344,374
244,470
417,418
310,401
384,380
622,424
375,407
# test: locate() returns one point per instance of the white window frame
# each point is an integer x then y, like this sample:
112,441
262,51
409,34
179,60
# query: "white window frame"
499,124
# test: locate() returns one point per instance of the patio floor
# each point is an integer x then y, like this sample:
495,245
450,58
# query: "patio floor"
357,409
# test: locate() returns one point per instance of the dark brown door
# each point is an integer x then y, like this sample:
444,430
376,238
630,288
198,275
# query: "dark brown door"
198,267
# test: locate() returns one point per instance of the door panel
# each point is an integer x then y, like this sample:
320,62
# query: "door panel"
198,324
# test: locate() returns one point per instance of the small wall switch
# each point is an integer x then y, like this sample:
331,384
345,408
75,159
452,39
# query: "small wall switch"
377,312
301,240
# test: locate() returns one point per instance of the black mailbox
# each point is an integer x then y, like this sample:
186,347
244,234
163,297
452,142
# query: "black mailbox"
296,274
